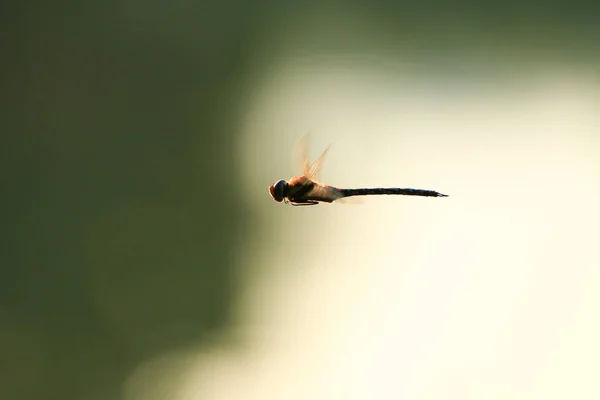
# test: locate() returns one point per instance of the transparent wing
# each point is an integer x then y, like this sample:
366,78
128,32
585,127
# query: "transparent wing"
309,170
354,201
313,169
324,193
301,153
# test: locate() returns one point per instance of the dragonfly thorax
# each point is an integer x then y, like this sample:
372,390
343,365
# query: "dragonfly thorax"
278,190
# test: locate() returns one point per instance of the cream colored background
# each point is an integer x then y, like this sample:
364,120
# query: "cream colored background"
491,293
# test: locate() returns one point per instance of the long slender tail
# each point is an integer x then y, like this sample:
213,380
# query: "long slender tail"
406,192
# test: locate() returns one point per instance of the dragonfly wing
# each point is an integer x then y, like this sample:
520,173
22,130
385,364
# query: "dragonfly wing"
324,193
313,169
309,170
356,200
301,154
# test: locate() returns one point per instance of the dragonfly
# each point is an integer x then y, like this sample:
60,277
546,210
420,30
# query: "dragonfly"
304,190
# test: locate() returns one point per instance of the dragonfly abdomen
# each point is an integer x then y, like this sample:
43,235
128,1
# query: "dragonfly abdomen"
402,191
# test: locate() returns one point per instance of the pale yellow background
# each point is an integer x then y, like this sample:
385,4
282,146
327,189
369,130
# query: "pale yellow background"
491,293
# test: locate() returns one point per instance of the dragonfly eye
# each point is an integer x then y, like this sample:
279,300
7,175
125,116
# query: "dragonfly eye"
277,190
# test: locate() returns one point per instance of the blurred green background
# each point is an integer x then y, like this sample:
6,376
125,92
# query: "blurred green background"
121,218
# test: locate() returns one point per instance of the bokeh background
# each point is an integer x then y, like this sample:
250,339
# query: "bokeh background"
142,257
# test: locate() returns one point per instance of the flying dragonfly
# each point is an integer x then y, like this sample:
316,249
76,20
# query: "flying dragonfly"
304,190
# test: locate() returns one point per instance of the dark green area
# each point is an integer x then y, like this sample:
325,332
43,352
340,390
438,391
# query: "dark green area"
120,215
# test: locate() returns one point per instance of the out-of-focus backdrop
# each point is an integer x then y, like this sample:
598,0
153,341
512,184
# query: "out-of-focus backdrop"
142,257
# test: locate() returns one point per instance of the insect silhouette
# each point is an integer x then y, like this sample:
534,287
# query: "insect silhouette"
304,190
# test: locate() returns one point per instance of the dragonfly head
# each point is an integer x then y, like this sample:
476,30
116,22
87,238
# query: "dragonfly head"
278,190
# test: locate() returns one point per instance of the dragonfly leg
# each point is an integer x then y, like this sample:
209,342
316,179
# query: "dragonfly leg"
305,203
